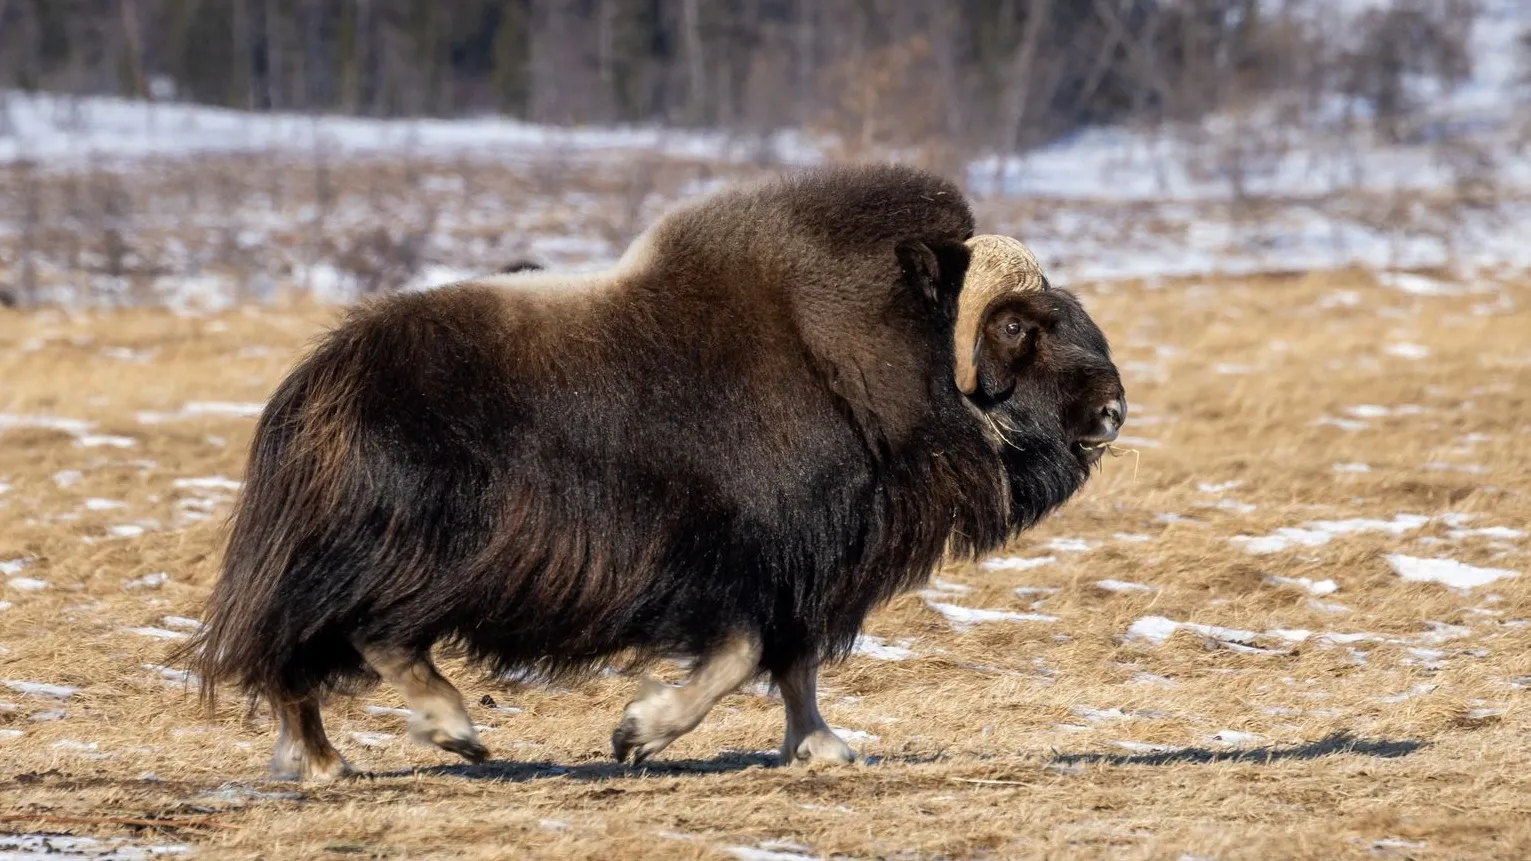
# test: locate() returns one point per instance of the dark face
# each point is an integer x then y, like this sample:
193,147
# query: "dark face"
1045,369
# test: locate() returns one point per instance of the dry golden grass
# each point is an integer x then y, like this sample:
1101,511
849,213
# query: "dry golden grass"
1415,743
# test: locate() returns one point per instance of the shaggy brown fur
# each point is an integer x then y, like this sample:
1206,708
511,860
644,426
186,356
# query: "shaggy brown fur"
748,428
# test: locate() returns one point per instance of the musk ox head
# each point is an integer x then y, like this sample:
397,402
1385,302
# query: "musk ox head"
1031,359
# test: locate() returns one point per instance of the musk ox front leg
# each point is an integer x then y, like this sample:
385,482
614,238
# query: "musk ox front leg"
303,751
662,713
809,738
437,716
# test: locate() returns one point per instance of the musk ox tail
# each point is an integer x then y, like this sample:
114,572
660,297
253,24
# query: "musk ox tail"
275,625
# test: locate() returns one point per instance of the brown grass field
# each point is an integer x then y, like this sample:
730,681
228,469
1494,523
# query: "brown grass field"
1058,737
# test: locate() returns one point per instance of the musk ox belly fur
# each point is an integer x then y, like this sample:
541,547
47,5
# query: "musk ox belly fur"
748,425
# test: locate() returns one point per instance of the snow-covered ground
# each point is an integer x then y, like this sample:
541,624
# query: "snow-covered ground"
53,130
1104,204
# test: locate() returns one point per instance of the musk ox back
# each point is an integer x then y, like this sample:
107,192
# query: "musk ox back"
779,409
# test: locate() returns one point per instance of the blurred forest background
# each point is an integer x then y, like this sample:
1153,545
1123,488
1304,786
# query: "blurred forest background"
1003,74
1249,134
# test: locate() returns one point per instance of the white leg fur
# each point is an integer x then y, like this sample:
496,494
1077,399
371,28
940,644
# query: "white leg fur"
809,738
437,716
303,751
661,713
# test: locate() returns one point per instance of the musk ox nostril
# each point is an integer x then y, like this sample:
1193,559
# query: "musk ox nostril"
1111,415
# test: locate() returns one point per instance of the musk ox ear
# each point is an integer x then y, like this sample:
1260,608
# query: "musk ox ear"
934,269
920,268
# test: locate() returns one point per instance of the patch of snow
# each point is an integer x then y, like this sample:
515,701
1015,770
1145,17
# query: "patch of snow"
27,584
1171,517
1069,545
148,581
1465,468
1132,537
223,408
1349,425
104,441
1219,487
750,853
13,567
1095,715
371,739
1417,690
1374,411
1353,468
156,633
852,736
1313,587
126,530
96,503
1034,591
386,710
1321,532
171,674
1124,586
181,622
52,847
39,689
1416,285
73,427
1230,736
1152,629
1428,658
948,587
1280,540
877,647
202,409
1407,351
1502,533
1016,563
67,477
1447,572
216,482
1157,630
963,618
1144,747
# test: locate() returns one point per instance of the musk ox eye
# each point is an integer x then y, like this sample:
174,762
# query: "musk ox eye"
1013,328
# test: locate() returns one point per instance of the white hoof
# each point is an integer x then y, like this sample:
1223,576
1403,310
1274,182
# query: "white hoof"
821,745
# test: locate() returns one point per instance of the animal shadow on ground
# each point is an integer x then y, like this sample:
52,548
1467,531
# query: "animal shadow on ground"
511,771
1337,743
521,772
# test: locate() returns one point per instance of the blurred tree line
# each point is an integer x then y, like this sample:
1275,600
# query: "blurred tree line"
1005,74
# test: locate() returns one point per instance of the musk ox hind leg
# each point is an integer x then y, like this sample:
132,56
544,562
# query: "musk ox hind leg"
809,738
437,716
303,751
661,713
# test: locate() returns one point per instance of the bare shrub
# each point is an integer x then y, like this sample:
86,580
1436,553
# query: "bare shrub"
382,259
1403,47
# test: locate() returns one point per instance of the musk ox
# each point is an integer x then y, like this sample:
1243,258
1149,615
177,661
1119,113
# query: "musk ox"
786,403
